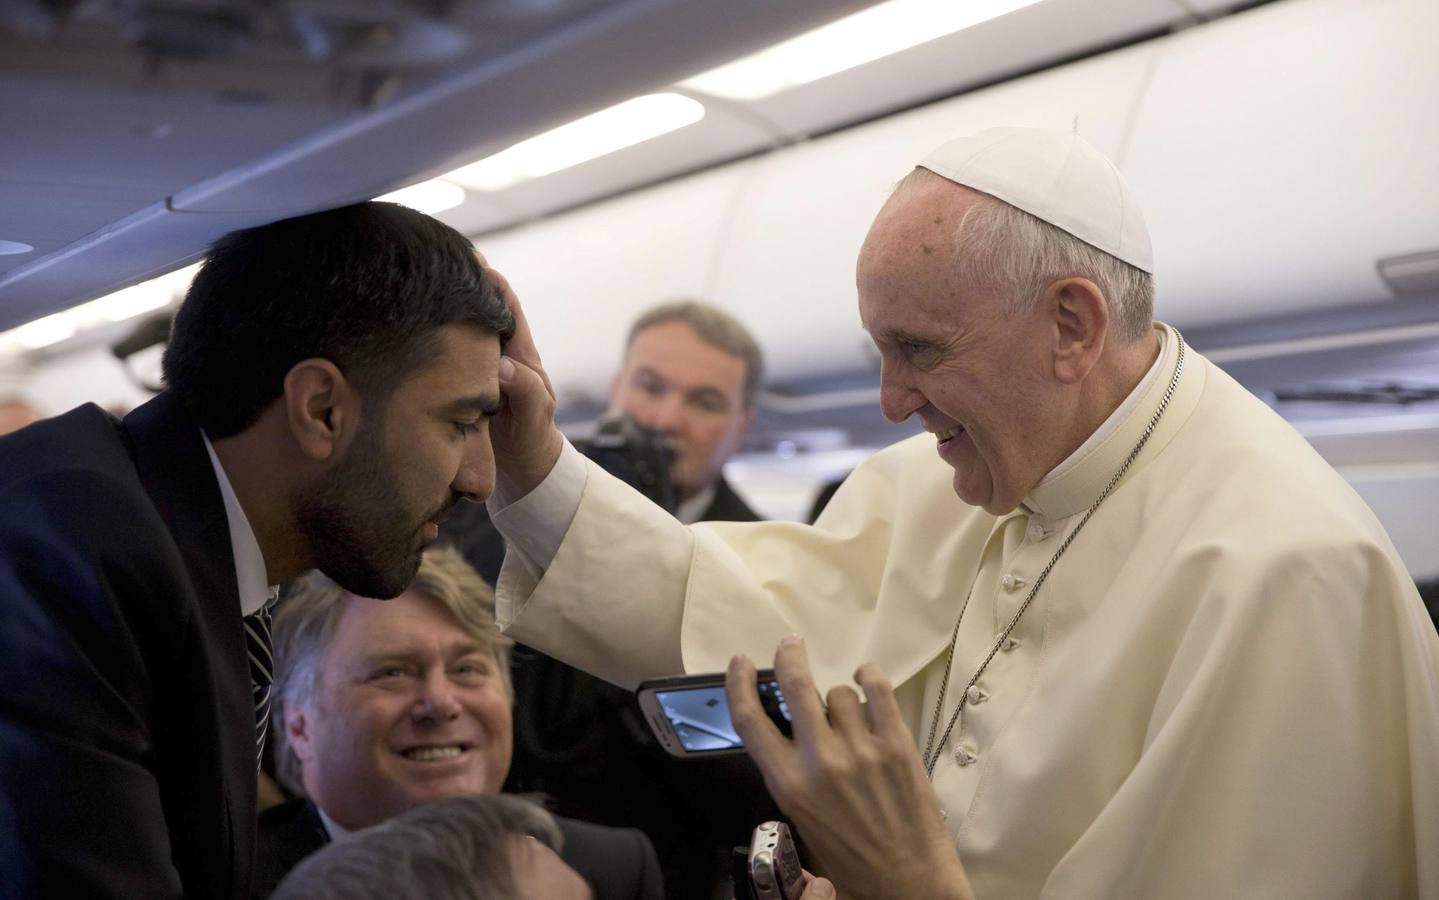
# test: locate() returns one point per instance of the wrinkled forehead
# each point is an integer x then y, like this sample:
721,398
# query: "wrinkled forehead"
915,230
412,623
908,254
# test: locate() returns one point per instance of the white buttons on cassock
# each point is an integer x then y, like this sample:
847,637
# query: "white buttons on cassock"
963,756
1036,532
975,695
1012,582
1009,644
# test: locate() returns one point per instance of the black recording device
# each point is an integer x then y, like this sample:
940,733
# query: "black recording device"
639,456
150,331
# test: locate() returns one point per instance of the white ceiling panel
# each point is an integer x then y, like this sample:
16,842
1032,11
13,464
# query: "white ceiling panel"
1023,40
718,137
584,275
1210,7
1340,94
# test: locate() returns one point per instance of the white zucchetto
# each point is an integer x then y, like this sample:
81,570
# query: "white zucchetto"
1056,176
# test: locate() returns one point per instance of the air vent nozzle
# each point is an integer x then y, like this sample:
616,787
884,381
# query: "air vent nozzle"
1411,274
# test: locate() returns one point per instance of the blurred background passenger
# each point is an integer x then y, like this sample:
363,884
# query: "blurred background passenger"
384,706
691,372
16,412
461,848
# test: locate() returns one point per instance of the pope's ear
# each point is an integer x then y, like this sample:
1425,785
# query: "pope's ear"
1080,327
321,407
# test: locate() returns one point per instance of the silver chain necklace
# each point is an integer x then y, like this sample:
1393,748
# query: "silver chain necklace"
932,748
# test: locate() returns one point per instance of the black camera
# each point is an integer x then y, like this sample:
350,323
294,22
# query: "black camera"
639,456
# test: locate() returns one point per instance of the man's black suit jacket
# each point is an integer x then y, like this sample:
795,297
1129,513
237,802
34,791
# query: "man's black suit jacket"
727,506
127,764
618,863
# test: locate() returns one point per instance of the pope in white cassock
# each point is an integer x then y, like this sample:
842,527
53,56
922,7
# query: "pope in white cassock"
1121,631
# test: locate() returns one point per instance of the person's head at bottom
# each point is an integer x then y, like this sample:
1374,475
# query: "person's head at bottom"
461,848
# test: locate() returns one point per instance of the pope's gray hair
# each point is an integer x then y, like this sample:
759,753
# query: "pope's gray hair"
1017,255
458,848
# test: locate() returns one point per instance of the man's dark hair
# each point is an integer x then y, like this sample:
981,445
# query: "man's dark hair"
364,286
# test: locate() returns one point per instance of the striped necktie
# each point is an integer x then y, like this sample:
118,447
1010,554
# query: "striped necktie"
257,646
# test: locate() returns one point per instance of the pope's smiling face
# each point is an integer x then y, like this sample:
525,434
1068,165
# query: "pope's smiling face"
973,370
407,708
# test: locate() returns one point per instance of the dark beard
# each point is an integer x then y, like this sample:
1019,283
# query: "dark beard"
354,520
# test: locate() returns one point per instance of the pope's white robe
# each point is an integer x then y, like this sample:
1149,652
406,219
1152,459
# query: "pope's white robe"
1226,688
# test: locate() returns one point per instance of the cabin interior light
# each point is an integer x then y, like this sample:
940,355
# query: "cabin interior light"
881,30
591,137
127,303
428,197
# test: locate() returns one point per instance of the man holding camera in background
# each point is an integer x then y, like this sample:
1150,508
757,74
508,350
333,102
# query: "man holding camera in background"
680,406
691,372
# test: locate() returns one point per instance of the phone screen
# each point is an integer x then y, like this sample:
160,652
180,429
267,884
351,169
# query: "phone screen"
698,714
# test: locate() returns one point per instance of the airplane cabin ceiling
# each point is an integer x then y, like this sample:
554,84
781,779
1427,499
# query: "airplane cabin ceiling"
134,134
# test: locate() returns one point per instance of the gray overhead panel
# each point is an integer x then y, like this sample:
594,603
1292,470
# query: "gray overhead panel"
137,133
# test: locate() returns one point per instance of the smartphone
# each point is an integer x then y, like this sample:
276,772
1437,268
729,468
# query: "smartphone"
689,714
774,870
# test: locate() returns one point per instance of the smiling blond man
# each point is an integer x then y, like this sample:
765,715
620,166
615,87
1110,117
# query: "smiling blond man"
385,706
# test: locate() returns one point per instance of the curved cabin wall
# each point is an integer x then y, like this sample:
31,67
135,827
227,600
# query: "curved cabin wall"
1278,154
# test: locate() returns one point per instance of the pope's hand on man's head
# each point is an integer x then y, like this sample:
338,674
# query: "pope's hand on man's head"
525,439
850,781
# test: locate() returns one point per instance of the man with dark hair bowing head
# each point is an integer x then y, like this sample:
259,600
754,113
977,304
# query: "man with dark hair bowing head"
1148,645
330,378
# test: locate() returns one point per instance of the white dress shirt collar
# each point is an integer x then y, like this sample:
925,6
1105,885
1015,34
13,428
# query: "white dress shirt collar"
336,831
689,511
250,578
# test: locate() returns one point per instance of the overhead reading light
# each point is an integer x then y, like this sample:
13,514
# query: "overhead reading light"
597,134
428,197
843,44
44,332
123,304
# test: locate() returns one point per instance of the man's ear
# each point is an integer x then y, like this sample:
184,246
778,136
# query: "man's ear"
748,422
1080,326
321,408
298,734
